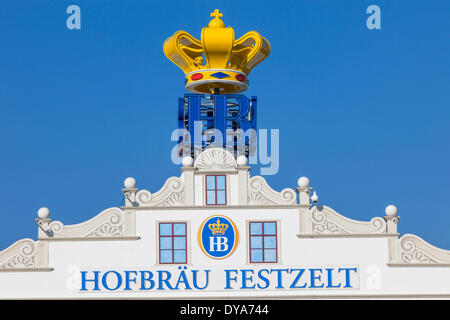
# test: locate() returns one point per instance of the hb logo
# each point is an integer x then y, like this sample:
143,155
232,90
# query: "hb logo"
220,245
218,237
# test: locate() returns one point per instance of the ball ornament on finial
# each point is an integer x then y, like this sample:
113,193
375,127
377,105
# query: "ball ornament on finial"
391,210
43,213
187,161
242,161
130,183
303,182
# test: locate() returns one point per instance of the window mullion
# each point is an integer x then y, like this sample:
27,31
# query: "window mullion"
159,231
262,240
173,243
215,185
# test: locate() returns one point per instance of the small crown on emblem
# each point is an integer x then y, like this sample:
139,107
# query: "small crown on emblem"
218,61
218,228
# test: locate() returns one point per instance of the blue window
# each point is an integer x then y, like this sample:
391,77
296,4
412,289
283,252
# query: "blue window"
216,190
263,241
172,242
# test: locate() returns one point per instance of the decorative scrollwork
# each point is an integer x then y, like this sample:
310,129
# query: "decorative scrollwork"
259,193
415,250
19,255
175,199
144,196
116,218
112,228
175,185
323,225
416,257
171,194
18,261
317,216
108,223
28,248
288,195
256,184
327,221
327,227
56,226
378,225
106,230
256,198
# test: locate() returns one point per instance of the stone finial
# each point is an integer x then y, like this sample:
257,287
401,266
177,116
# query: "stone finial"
391,211
43,213
303,183
187,161
130,183
130,192
242,161
303,190
43,220
391,218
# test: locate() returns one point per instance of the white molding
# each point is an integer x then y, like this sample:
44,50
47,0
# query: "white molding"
112,223
355,235
222,207
215,172
184,192
27,270
188,177
260,193
25,255
325,222
92,239
414,251
170,195
418,265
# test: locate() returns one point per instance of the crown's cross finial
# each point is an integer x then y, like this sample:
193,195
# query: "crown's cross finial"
216,14
216,22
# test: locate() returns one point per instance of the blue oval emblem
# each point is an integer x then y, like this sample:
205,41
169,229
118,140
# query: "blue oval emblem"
218,237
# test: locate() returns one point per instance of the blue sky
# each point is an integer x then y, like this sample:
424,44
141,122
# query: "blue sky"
363,113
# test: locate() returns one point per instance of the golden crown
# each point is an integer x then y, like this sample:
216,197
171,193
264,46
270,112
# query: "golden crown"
218,63
218,228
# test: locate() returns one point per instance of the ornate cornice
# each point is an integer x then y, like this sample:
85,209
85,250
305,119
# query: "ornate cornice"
325,222
25,255
110,224
260,193
170,195
416,251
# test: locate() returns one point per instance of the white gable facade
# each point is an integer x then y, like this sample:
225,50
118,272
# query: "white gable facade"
217,232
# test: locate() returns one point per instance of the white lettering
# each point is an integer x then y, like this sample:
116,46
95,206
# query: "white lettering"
219,242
